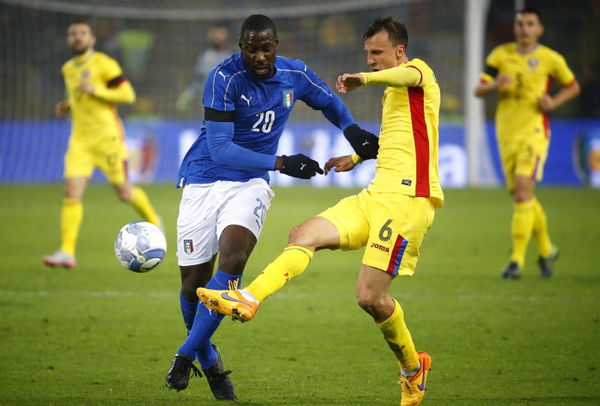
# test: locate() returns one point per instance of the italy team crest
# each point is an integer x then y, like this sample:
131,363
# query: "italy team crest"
288,97
188,246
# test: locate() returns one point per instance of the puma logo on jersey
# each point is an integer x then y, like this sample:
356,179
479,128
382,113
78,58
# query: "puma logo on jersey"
247,100
365,143
224,75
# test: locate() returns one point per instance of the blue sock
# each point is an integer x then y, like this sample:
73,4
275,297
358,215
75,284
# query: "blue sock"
188,311
206,322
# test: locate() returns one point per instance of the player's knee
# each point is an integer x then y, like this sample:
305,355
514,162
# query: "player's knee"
299,235
374,305
366,301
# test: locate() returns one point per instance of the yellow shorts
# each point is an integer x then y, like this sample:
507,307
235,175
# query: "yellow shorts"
110,158
391,226
523,158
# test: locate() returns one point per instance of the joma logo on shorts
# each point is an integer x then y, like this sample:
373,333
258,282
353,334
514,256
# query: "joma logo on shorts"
380,247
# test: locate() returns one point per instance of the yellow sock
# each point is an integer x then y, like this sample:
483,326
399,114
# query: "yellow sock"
139,200
522,227
399,339
70,221
540,229
290,263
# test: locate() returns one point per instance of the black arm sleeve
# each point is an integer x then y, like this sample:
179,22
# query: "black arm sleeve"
490,70
217,115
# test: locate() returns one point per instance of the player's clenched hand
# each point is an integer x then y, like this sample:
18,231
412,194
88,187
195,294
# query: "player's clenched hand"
299,166
62,108
340,164
86,87
502,81
348,82
546,103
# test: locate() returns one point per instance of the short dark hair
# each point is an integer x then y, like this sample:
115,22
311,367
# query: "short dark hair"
531,10
82,21
257,23
395,29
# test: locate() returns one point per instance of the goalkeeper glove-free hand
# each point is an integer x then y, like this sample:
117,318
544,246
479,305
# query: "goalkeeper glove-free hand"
365,144
299,166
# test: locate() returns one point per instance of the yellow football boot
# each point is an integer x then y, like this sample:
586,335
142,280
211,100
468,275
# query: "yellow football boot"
413,387
228,302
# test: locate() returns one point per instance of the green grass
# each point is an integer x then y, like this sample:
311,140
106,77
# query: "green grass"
100,335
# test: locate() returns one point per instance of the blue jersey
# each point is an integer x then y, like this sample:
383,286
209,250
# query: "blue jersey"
261,108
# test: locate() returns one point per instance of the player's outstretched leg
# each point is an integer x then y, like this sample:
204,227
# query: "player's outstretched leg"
414,387
141,203
229,302
243,304
71,216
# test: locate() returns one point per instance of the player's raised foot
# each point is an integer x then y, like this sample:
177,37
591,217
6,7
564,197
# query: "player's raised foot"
512,271
182,369
546,263
218,379
228,302
60,258
414,387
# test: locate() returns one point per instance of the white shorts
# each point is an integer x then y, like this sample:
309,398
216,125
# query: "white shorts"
206,209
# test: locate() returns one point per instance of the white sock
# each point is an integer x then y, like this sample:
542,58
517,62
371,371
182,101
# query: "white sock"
410,373
248,296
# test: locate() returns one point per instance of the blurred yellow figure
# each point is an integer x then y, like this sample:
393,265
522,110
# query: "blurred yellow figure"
94,83
521,72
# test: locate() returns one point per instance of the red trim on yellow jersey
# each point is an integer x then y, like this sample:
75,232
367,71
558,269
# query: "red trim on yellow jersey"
545,118
420,73
419,127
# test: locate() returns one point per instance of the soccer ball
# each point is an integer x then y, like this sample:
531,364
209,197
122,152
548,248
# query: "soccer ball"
140,246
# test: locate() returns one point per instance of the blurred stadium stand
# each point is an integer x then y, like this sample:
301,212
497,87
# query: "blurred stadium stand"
158,42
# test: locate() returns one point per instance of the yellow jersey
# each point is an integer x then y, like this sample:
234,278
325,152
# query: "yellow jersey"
407,160
518,114
94,116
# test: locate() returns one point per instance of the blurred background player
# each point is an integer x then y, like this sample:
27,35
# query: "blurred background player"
218,49
389,218
521,72
94,83
225,177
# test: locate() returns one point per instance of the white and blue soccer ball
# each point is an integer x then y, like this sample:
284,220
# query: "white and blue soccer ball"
140,246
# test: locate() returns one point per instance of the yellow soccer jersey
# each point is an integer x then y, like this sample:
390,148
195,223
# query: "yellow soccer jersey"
518,114
94,116
407,160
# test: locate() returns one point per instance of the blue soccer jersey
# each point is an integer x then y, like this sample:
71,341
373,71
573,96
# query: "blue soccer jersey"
260,109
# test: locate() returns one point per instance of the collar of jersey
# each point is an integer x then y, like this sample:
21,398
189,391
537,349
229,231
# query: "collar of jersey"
81,59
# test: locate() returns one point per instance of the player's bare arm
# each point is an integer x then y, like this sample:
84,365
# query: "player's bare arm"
343,163
349,81
485,88
548,103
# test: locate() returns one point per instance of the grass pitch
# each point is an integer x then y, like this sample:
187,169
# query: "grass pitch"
101,335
